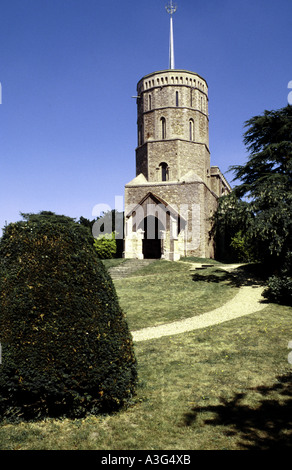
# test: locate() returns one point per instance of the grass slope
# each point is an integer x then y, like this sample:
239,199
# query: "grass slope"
165,291
223,387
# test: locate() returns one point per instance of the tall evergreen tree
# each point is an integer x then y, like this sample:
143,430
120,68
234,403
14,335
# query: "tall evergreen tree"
261,204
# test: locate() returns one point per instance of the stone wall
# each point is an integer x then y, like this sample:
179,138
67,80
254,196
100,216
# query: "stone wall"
194,202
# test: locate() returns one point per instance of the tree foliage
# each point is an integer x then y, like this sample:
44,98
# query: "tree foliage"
241,245
260,206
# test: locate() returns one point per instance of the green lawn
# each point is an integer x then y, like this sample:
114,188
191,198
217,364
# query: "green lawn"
223,387
165,291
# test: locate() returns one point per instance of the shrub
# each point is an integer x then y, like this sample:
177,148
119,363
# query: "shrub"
279,290
105,247
66,346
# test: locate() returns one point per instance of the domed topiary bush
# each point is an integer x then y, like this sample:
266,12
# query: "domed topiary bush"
66,346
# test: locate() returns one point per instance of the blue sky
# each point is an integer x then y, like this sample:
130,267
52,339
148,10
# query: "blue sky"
69,69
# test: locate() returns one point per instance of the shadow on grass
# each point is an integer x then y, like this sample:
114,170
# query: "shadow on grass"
248,275
268,426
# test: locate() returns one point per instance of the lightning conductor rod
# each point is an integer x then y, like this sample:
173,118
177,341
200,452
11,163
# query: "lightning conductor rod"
171,9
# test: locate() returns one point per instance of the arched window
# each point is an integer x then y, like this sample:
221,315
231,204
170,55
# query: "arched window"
163,128
191,127
149,103
164,171
176,99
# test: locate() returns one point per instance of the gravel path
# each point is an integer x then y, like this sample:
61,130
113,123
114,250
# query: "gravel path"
247,301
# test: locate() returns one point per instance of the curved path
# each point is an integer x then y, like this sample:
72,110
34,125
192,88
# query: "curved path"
247,301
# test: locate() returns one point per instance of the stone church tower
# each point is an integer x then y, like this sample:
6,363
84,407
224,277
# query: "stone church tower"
169,203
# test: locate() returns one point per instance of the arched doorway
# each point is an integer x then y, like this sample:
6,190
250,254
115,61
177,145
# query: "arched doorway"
152,227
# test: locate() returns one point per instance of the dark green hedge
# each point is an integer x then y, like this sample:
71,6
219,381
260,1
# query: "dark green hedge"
66,346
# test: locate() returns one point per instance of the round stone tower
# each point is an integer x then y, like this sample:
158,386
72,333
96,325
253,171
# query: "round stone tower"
173,126
169,203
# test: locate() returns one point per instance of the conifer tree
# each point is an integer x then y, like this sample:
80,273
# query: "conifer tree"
261,204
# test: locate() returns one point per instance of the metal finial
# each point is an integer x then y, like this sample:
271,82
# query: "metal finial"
171,8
